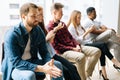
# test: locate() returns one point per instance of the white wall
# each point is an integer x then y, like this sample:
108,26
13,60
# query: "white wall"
109,11
118,29
4,13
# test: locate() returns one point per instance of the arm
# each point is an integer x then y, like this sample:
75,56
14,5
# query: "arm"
62,48
87,31
42,47
51,34
13,52
49,68
105,28
95,31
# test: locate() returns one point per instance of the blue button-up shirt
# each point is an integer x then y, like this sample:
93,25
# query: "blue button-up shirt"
14,46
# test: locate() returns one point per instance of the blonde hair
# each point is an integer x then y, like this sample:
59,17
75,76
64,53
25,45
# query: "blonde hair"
73,19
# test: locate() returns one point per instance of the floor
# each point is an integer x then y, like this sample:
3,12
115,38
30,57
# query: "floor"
112,73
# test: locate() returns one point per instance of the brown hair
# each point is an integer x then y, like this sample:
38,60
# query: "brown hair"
56,6
41,24
26,7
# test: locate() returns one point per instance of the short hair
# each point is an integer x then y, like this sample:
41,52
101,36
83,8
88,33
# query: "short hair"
90,9
56,6
40,8
26,7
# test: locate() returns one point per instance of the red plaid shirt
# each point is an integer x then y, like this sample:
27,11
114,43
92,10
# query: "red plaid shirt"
63,40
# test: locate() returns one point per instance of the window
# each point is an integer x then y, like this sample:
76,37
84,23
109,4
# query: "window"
13,17
13,6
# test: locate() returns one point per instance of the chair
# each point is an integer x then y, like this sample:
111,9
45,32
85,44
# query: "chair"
2,52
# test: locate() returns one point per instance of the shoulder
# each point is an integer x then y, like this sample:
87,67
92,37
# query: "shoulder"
50,24
38,30
87,23
12,34
71,27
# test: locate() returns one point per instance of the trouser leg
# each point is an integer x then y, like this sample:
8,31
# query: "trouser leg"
105,36
93,54
116,49
69,70
23,75
79,59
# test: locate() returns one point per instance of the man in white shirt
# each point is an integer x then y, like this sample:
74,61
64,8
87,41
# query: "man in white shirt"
101,33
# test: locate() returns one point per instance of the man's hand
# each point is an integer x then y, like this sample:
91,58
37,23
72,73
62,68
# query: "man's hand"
77,48
60,25
50,36
50,68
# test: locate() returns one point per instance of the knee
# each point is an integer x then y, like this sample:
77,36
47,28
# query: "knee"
97,52
58,65
80,59
30,75
110,31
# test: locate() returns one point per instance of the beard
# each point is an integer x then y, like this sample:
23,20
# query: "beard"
32,24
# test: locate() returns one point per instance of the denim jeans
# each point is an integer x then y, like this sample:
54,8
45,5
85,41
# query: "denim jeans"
30,75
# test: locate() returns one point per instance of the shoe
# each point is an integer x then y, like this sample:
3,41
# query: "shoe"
100,72
116,67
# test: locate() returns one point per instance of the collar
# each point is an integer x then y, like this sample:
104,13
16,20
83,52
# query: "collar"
23,29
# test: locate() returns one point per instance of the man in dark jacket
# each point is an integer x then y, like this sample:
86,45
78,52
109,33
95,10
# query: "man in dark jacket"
21,46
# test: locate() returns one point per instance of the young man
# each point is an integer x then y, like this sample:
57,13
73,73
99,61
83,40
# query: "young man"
67,47
100,32
69,70
21,46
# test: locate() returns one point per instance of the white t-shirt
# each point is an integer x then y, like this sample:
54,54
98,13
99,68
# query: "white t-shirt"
79,37
26,55
89,23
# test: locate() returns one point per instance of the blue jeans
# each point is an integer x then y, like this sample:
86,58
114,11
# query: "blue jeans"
30,75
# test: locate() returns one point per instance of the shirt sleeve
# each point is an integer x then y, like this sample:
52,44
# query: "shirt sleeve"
58,45
43,47
44,51
62,48
78,38
87,24
13,53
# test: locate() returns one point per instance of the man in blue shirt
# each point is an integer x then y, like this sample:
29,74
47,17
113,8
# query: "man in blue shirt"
21,46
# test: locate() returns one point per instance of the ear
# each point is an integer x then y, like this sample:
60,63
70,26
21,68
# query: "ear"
23,16
54,12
